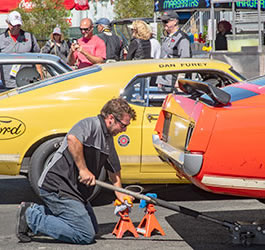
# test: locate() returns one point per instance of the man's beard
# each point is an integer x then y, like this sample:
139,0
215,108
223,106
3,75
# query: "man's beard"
112,131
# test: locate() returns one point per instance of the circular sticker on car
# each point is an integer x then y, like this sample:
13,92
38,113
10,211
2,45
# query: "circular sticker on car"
123,140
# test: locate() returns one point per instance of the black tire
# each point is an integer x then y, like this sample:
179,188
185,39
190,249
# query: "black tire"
261,200
40,159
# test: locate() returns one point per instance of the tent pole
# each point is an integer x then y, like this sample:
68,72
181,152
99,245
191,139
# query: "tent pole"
259,27
234,18
212,43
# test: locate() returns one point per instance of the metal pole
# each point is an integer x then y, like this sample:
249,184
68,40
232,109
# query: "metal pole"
259,27
234,18
212,23
164,204
201,21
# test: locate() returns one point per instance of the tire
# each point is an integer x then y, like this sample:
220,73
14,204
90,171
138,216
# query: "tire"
40,159
261,200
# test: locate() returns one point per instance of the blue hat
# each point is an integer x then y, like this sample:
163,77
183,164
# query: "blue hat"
104,21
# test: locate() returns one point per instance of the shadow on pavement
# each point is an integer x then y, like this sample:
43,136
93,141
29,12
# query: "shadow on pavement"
202,235
17,189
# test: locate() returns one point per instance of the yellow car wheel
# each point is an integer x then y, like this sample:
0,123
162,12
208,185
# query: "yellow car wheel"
40,160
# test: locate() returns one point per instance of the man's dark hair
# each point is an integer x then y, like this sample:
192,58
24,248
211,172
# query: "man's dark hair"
118,107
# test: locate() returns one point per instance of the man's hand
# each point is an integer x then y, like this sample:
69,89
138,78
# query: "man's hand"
121,196
86,177
116,181
84,52
74,47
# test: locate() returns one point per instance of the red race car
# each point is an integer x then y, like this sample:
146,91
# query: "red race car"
214,137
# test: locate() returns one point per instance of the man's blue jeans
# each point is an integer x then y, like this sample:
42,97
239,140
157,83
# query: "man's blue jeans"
66,220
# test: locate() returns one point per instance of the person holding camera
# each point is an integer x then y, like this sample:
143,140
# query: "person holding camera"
56,45
89,49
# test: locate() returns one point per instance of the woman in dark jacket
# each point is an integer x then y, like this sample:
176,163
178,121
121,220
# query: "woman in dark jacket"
140,46
56,45
224,28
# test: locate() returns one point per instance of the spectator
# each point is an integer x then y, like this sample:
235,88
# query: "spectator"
14,39
155,46
56,45
89,49
66,184
140,45
113,43
224,28
177,42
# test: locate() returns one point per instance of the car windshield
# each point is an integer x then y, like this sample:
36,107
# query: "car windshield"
60,78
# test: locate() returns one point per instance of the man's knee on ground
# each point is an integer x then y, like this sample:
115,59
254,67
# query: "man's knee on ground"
84,238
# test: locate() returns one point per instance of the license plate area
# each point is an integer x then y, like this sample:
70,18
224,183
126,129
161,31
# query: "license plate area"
178,131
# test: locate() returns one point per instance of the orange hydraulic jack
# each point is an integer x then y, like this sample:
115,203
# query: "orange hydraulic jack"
149,223
124,224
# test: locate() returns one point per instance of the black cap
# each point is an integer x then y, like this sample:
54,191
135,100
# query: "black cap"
169,15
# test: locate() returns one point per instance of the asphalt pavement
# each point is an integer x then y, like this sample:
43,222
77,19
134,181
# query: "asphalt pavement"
181,231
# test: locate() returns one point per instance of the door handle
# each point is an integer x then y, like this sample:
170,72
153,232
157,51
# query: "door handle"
151,117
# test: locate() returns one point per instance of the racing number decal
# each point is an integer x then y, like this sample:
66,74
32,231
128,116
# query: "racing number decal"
124,140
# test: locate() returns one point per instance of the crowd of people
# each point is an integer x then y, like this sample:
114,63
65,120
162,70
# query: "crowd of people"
105,46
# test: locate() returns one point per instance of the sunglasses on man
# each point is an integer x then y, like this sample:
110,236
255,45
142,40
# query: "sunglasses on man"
123,125
167,21
85,29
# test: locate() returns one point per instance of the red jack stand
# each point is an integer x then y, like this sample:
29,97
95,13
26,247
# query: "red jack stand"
149,223
124,224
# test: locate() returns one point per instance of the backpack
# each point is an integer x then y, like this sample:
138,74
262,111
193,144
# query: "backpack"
183,36
113,46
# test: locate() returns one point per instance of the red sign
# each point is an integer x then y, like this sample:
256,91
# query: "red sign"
81,4
9,5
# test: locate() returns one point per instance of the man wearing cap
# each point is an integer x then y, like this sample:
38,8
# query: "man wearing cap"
14,39
89,49
175,45
113,43
56,45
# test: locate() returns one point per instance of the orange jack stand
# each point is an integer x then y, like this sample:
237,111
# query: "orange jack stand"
149,223
124,224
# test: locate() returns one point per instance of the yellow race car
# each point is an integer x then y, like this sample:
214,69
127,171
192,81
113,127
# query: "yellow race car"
35,118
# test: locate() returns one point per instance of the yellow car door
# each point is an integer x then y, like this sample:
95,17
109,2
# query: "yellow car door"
150,168
150,160
128,146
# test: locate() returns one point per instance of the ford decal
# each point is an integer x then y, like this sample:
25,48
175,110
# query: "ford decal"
11,128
